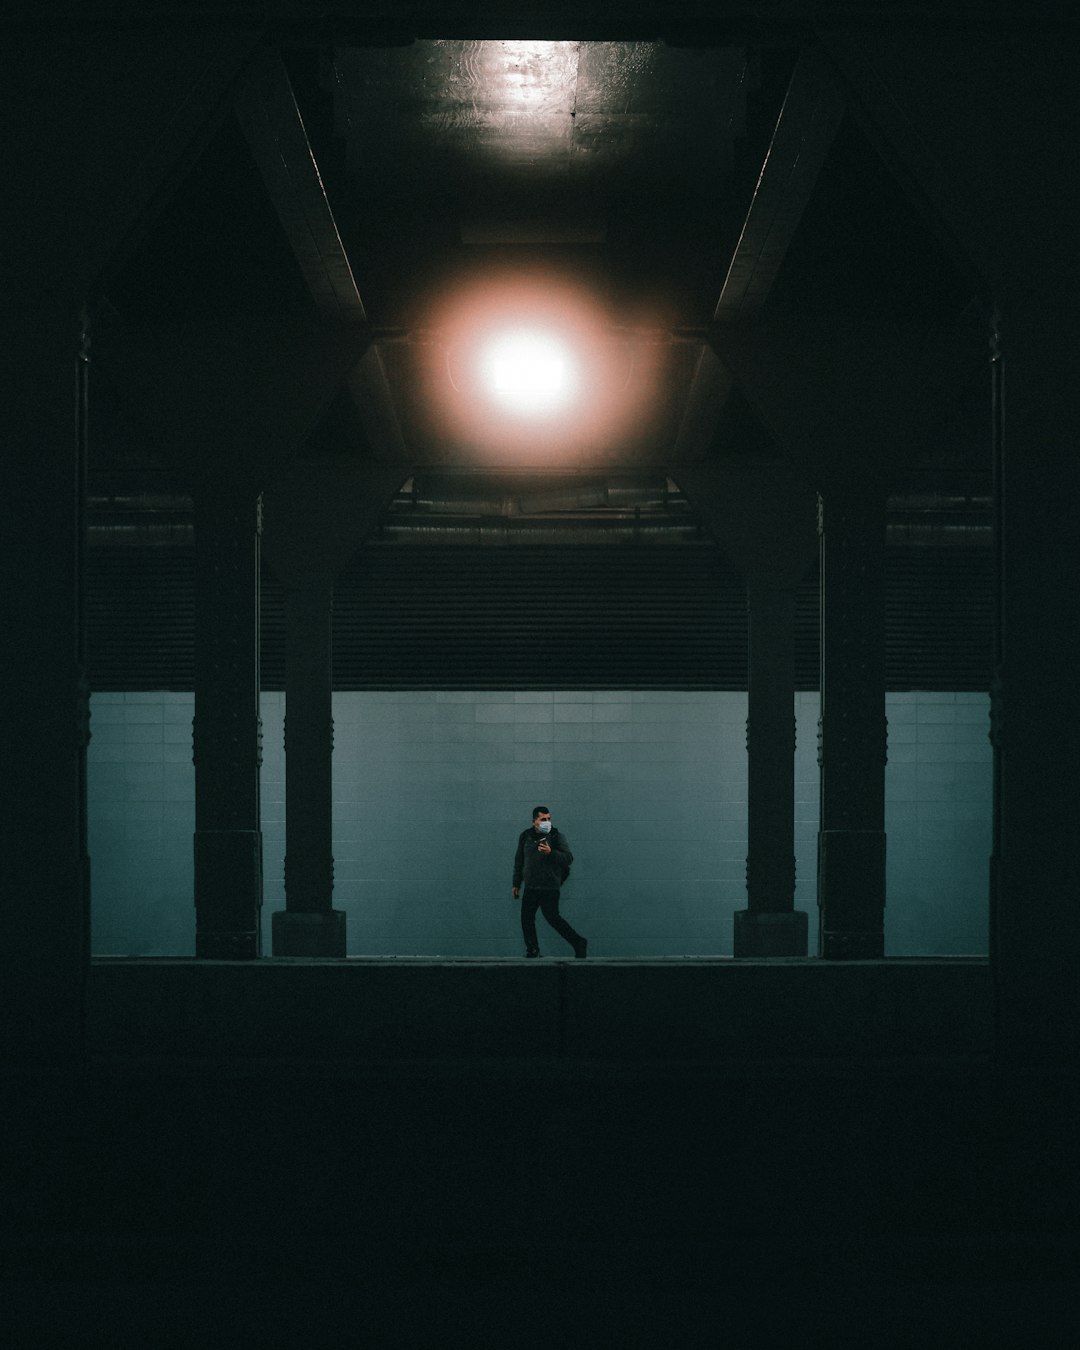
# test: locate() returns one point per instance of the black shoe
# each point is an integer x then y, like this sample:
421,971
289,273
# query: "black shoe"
581,950
532,951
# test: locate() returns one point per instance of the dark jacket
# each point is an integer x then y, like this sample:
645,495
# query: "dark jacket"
542,871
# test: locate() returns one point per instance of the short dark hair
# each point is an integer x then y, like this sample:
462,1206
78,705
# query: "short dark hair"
541,811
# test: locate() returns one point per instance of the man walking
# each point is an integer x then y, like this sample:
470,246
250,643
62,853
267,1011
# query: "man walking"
542,862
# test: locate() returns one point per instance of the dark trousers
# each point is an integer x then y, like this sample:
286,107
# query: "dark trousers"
548,904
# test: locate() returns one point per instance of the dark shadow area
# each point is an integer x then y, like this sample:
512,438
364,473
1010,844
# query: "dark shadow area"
454,1202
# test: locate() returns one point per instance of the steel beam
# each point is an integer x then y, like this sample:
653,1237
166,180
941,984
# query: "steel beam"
274,127
97,134
804,132
709,391
369,390
801,139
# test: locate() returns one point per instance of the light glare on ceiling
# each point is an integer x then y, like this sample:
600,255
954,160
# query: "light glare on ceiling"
525,371
529,373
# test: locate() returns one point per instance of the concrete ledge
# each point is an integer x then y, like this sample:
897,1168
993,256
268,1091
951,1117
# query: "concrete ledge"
370,1009
790,1009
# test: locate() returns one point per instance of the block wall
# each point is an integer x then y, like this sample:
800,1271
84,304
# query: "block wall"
432,788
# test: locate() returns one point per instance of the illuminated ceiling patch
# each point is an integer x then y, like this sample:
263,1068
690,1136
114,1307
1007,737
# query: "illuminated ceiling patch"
529,372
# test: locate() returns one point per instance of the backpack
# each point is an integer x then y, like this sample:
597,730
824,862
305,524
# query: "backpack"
565,869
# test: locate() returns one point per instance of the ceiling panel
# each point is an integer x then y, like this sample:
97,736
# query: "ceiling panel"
436,117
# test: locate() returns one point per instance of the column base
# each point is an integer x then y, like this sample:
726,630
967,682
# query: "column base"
852,946
298,934
783,934
241,946
228,895
851,894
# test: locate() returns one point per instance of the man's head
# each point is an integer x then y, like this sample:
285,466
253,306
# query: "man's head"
541,819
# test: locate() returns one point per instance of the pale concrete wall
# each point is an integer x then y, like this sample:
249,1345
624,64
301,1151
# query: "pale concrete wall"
431,789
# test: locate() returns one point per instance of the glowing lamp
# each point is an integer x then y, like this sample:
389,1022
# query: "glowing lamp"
529,373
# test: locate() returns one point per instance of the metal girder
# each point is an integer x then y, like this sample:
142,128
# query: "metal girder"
939,113
271,121
763,516
317,515
96,135
709,390
369,390
258,385
801,139
691,23
850,400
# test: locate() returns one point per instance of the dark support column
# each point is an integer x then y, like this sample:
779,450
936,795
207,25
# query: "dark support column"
317,515
1035,921
851,844
309,925
997,447
763,516
227,729
44,711
770,925
973,122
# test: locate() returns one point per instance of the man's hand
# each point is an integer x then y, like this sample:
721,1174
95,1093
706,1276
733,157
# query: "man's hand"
543,846
515,892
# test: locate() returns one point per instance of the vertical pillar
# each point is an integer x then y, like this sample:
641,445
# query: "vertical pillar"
308,926
852,730
770,925
1035,728
997,446
317,515
227,727
764,516
44,699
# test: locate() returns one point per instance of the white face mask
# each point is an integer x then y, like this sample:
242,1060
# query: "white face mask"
544,826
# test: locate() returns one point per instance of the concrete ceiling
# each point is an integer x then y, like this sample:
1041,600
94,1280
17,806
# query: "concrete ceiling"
666,189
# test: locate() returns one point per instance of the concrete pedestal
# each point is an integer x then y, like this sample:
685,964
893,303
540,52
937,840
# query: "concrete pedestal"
851,875
228,890
295,934
783,934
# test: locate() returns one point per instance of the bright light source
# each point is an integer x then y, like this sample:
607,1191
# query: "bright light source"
530,373
524,370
